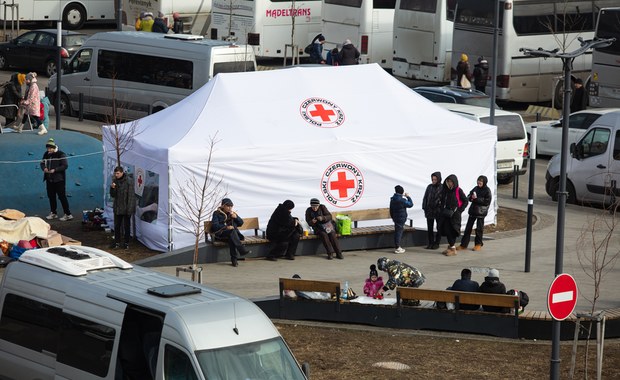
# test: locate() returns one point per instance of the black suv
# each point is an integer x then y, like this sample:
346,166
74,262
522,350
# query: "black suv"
451,94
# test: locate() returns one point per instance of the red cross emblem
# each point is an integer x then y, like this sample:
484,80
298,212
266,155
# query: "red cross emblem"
321,113
342,184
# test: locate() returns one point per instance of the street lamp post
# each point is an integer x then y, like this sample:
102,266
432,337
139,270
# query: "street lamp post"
567,63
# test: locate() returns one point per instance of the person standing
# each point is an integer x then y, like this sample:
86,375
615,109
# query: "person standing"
481,74
122,190
11,98
145,22
225,225
283,230
480,198
159,24
431,204
32,104
177,23
349,55
54,165
320,219
316,55
453,204
578,102
463,74
399,203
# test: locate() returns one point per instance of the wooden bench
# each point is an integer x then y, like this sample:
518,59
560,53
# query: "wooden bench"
297,284
457,298
248,224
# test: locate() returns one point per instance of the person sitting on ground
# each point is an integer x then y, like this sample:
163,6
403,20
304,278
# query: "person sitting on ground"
284,231
466,284
225,225
373,284
320,219
400,274
493,285
480,198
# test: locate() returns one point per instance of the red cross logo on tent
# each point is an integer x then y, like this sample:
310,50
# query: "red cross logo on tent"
321,113
342,184
139,181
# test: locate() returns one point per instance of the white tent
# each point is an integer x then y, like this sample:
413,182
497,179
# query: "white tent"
346,135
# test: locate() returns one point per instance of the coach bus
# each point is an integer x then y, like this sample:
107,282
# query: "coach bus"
369,24
423,39
267,25
72,13
605,80
548,24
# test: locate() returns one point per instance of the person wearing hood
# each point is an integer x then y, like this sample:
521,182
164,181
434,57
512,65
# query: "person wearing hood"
349,55
431,204
453,203
11,98
159,24
399,274
493,285
54,165
463,73
320,219
122,191
399,203
481,74
225,225
145,22
284,231
480,198
32,104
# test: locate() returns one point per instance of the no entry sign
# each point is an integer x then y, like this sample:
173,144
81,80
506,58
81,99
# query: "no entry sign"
562,297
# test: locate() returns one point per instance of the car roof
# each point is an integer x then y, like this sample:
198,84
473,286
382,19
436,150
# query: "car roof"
55,31
453,91
600,111
474,110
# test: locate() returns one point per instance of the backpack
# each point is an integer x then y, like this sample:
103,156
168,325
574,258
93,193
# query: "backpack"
524,299
309,49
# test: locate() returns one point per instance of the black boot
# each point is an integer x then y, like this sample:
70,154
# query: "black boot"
234,262
330,255
339,255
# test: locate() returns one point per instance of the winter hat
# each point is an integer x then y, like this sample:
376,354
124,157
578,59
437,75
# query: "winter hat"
21,78
373,271
227,202
347,42
314,202
399,189
32,77
41,94
493,273
160,14
288,204
464,57
50,143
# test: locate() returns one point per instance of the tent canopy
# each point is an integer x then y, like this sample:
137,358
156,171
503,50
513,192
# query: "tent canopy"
346,135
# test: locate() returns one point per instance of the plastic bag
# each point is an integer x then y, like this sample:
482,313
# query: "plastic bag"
343,224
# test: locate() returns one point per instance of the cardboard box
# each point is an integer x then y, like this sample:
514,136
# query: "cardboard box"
70,241
53,239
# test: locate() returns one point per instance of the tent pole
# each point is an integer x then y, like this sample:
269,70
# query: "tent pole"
170,241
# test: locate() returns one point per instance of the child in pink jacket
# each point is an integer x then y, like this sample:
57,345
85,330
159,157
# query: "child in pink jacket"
373,284
32,104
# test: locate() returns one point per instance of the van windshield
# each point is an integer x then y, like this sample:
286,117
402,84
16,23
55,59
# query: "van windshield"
268,359
509,127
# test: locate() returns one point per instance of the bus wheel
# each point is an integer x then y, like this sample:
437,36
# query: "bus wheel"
74,16
559,93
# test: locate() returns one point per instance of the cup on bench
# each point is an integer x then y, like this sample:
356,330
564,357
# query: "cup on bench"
306,232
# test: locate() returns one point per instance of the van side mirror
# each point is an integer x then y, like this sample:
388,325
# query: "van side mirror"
572,149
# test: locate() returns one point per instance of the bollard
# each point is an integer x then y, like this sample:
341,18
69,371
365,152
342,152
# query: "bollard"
515,182
80,106
537,116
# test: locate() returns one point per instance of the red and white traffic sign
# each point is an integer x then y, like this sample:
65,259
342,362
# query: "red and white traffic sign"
562,297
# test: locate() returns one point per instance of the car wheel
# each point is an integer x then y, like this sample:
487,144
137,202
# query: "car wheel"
50,68
65,105
73,17
3,65
572,195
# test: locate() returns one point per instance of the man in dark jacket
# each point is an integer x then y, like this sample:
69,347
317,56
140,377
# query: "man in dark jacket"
54,165
320,219
122,190
453,204
481,73
492,285
159,24
480,198
349,55
224,225
177,25
431,204
466,284
399,203
282,229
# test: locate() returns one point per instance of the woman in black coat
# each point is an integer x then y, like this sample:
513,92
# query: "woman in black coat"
454,202
12,96
283,231
480,198
431,204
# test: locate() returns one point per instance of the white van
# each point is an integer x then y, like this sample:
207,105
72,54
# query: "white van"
143,72
75,312
512,144
593,167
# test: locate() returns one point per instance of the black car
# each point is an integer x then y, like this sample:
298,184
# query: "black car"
458,95
36,50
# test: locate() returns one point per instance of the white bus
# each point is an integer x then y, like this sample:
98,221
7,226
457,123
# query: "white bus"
423,39
547,24
267,25
369,24
605,80
73,13
195,14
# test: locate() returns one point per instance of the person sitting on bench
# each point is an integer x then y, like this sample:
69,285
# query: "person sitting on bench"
225,223
493,285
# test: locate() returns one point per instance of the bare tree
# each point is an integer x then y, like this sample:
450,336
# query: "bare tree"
200,197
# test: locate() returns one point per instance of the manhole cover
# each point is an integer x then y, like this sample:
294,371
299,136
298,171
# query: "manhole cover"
392,365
